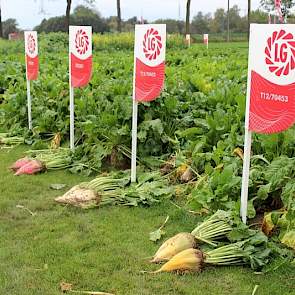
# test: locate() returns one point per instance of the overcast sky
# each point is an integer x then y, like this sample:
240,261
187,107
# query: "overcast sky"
27,12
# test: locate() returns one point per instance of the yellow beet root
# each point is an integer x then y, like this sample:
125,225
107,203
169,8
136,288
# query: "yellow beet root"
190,260
173,246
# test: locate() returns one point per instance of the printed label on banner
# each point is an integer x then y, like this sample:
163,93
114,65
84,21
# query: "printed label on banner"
31,51
80,55
272,73
206,39
149,59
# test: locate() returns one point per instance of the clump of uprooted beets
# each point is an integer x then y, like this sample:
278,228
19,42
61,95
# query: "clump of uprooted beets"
19,163
173,246
80,197
188,260
31,167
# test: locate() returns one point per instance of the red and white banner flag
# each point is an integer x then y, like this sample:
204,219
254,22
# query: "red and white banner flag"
149,61
272,75
270,106
206,39
80,44
31,50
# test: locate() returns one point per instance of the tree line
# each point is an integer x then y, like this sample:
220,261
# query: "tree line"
219,22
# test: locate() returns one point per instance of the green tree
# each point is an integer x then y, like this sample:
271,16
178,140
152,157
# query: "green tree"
9,26
53,24
217,25
89,17
242,25
112,23
172,25
200,23
130,23
235,19
82,15
259,16
68,11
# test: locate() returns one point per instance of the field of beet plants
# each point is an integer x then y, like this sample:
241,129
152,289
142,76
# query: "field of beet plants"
190,159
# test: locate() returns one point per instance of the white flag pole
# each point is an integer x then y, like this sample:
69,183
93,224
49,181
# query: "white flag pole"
134,140
246,172
29,103
247,150
29,100
134,126
72,104
72,118
188,39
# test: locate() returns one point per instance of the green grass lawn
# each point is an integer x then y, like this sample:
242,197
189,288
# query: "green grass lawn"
100,249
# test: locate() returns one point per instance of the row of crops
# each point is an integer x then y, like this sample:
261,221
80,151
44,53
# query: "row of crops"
192,135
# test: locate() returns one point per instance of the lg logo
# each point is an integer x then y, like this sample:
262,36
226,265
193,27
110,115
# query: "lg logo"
152,44
280,53
81,42
31,44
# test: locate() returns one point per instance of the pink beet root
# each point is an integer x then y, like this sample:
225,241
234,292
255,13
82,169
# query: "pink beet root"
33,167
19,163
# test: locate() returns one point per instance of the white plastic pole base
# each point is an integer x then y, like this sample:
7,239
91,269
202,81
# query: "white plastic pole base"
134,140
72,119
29,104
246,172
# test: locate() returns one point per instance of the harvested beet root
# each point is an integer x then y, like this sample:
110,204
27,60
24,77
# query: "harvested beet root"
19,163
32,167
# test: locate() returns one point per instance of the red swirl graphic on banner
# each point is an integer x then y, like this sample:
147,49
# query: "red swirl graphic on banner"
272,106
280,53
81,42
31,44
152,44
149,81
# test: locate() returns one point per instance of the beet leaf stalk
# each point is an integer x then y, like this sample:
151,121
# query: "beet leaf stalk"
216,227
